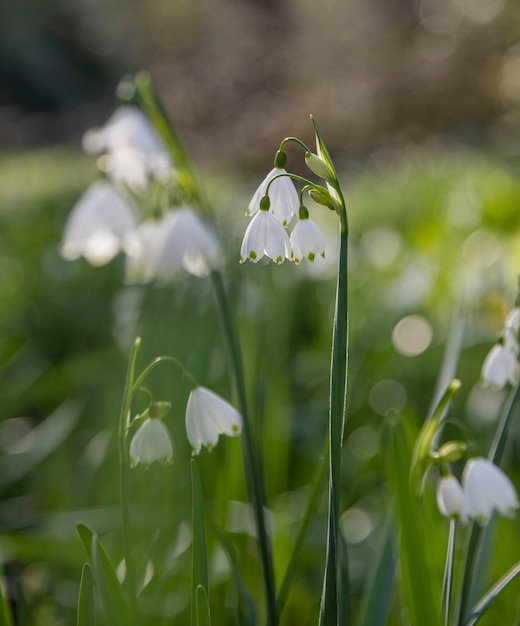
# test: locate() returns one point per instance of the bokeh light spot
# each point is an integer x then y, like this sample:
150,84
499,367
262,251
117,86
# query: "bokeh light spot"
412,335
386,396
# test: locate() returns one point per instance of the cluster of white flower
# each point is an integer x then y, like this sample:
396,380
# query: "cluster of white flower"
266,234
106,221
500,366
484,488
207,417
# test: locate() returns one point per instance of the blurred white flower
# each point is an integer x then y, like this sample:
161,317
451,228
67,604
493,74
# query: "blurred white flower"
151,442
307,240
134,151
450,498
101,224
180,241
208,416
282,195
500,366
487,488
513,320
265,235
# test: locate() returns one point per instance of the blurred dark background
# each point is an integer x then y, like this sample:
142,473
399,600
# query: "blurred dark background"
239,74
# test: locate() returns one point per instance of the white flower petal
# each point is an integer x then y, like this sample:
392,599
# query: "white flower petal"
100,225
486,487
151,443
265,235
208,416
450,498
307,240
499,367
282,195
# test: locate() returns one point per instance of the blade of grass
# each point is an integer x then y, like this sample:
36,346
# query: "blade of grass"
203,617
86,611
6,618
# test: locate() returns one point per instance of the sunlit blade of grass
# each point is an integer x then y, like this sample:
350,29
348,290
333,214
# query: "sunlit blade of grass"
203,617
199,552
417,588
378,590
447,583
86,535
86,610
481,607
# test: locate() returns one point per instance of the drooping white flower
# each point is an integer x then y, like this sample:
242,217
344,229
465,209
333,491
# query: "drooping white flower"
307,240
151,442
265,235
101,224
134,151
487,488
513,320
208,416
450,498
500,366
282,194
142,266
189,244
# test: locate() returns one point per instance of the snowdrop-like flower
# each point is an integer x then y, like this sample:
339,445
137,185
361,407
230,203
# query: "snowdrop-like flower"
265,235
282,194
151,443
500,366
487,488
180,241
134,151
450,498
101,224
307,240
208,416
189,244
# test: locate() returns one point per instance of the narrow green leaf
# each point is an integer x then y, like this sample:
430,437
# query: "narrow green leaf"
112,595
378,591
417,590
481,607
199,553
6,618
86,611
85,534
203,617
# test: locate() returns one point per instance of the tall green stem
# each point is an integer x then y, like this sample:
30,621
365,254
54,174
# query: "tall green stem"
331,609
123,478
251,453
447,583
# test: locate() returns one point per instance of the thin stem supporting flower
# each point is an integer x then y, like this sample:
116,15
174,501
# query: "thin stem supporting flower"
447,582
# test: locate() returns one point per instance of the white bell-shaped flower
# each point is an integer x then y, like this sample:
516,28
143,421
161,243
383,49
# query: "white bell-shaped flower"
134,150
101,224
500,367
282,194
487,488
265,235
450,498
207,417
189,244
307,240
151,443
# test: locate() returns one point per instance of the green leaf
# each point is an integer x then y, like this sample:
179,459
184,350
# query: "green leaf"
86,611
199,553
481,607
416,578
86,535
6,618
203,618
111,592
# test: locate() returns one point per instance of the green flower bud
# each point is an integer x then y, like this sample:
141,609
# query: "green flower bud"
159,409
449,452
315,164
280,159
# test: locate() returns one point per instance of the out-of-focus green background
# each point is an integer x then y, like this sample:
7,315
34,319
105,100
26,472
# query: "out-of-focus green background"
419,105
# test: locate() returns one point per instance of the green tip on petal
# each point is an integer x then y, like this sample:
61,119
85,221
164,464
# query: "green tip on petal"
252,255
311,256
279,259
235,428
